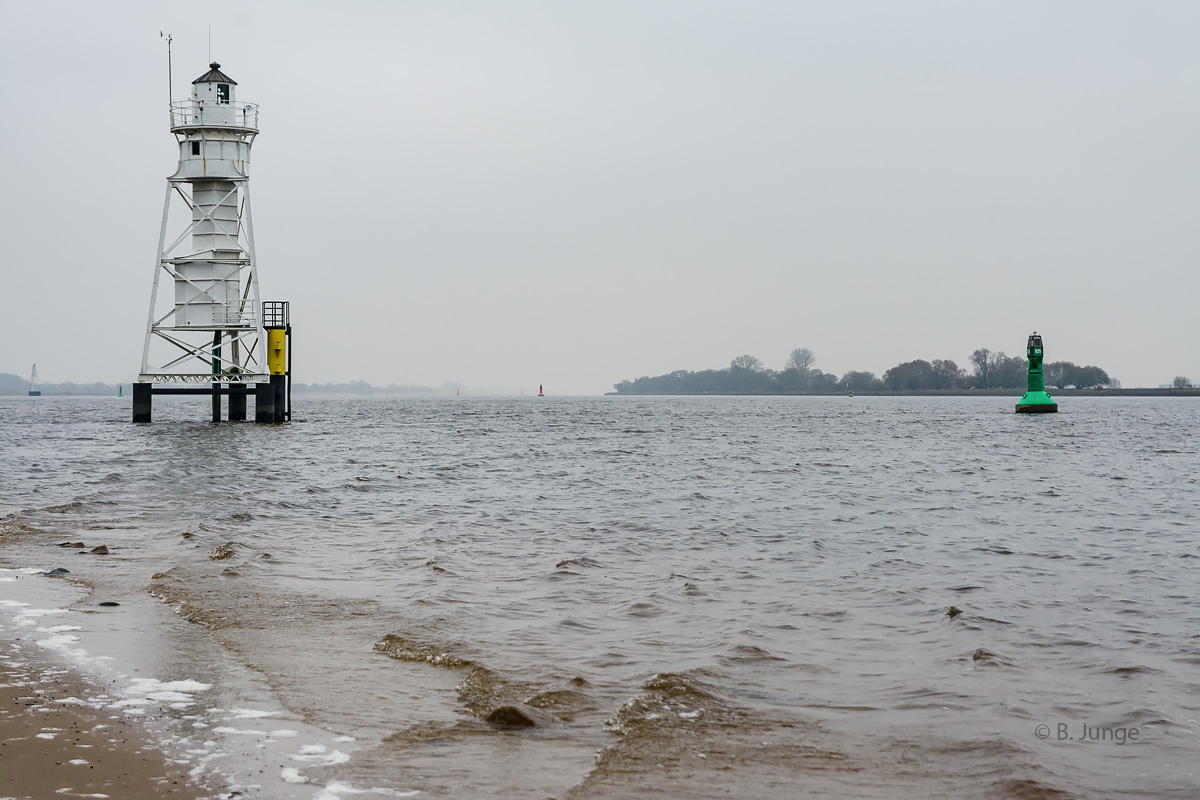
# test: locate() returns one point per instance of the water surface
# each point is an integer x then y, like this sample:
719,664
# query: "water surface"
710,597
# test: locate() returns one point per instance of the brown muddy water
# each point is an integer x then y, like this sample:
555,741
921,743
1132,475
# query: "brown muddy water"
687,597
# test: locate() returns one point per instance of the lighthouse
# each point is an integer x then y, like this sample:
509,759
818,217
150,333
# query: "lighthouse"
208,332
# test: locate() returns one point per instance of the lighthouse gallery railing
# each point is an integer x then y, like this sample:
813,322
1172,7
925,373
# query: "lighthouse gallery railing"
199,114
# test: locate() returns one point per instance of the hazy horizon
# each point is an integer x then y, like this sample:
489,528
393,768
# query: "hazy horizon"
576,195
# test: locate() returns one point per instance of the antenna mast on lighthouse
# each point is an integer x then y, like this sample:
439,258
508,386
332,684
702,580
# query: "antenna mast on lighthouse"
211,331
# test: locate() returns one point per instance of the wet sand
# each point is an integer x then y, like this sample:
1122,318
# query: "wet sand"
52,748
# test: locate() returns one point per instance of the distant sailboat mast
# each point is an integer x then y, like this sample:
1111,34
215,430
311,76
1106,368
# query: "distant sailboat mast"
35,388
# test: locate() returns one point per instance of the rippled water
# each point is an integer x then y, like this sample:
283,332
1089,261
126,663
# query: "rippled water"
704,597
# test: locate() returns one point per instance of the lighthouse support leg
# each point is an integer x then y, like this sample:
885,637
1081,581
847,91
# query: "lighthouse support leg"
237,407
264,402
279,390
142,402
237,401
216,367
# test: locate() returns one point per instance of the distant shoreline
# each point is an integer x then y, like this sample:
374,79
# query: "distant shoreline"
1014,393
14,386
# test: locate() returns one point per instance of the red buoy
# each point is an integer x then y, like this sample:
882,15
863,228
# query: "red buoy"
540,392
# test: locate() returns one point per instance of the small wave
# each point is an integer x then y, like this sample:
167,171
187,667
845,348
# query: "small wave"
748,654
65,508
1129,673
985,657
13,525
643,610
577,624
481,689
403,649
429,733
178,588
702,745
1029,789
565,704
666,694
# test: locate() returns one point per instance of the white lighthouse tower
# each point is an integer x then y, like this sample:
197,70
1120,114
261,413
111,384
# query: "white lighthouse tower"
211,331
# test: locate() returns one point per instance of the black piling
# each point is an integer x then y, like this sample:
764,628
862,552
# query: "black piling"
143,402
237,408
264,402
216,368
279,391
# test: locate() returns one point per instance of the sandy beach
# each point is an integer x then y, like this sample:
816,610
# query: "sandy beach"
52,745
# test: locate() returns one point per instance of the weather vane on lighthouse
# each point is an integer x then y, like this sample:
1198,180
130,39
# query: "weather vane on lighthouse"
215,336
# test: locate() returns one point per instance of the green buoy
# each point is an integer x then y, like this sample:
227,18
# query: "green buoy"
1036,401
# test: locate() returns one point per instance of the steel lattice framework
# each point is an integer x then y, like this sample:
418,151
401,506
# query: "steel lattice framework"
239,356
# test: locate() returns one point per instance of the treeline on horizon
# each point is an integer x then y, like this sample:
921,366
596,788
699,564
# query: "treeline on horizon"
747,375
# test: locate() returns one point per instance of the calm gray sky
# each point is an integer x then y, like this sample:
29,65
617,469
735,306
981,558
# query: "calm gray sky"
570,193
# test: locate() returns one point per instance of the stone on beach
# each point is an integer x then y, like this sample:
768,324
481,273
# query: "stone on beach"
520,716
222,552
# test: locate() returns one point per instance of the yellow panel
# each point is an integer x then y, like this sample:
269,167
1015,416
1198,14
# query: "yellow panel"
277,351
